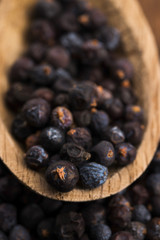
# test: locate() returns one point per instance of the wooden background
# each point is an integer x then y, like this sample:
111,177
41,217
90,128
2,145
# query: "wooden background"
152,11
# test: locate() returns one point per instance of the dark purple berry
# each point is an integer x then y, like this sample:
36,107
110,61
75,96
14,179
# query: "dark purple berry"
67,22
153,229
74,153
103,153
80,136
120,216
125,153
36,111
113,107
133,132
153,183
116,135
62,118
52,139
45,229
44,93
72,42
63,85
37,51
8,217
100,232
123,235
62,175
58,57
110,37
42,75
141,214
82,118
36,157
134,113
19,233
138,230
92,175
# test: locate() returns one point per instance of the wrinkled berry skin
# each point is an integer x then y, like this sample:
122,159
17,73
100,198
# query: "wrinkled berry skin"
133,132
19,233
8,217
92,175
138,230
80,136
125,153
82,118
74,153
116,135
123,235
61,118
83,96
100,232
21,69
134,113
113,107
122,69
36,111
103,153
36,157
42,75
52,139
153,229
62,175
32,140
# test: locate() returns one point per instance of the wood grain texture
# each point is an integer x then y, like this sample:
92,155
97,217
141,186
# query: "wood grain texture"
152,10
139,46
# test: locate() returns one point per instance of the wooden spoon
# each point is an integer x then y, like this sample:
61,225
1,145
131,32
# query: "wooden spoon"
138,45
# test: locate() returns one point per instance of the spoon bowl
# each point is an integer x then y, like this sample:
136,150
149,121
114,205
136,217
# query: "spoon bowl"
138,46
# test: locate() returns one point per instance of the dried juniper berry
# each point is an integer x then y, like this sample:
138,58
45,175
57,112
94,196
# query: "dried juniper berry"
47,9
52,139
99,122
139,194
153,183
74,153
123,235
36,157
44,93
93,52
100,232
62,175
63,85
17,95
19,233
94,213
82,118
3,236
120,216
50,206
41,30
118,200
31,215
72,42
155,205
113,107
42,75
37,51
103,153
70,225
126,95
133,132
92,175
125,153
80,136
83,96
8,217
138,230
58,57
141,214
45,229
61,117
20,128
116,135
36,112
134,113
110,37
67,22
122,69
153,229
20,70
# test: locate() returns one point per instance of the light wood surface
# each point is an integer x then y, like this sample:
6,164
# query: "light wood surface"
152,10
139,46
